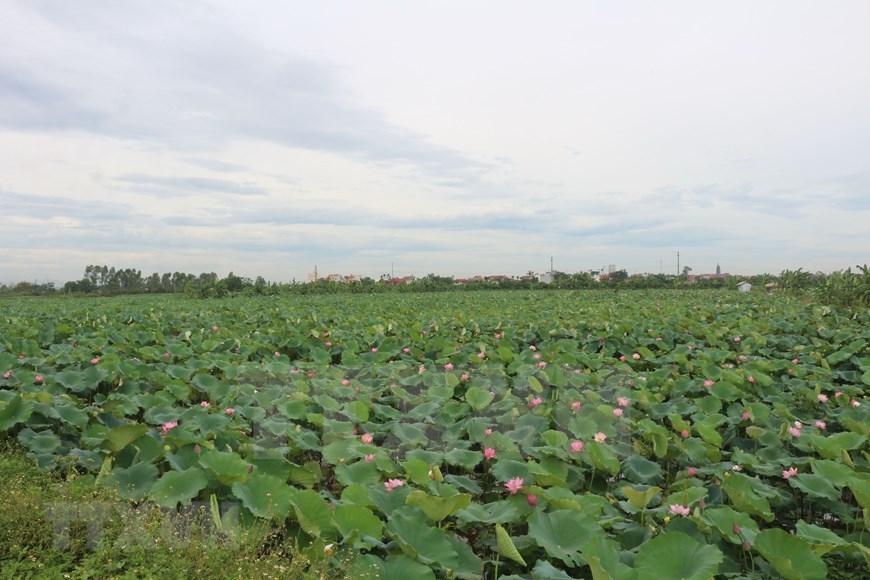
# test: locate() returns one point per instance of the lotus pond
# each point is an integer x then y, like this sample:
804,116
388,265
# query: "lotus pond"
477,434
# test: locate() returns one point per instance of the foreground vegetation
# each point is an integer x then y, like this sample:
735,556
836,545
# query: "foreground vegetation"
105,538
522,434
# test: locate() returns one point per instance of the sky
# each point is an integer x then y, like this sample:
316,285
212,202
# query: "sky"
450,137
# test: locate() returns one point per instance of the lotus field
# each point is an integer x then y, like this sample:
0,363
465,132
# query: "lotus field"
469,435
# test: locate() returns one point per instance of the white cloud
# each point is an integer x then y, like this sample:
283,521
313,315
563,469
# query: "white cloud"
460,138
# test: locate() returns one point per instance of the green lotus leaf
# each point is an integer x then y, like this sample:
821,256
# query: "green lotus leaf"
814,485
226,466
419,540
641,470
438,508
792,557
14,411
563,533
506,546
314,513
677,555
358,522
133,482
178,487
265,496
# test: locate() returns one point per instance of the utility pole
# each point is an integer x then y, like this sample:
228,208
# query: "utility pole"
678,263
315,272
551,264
392,270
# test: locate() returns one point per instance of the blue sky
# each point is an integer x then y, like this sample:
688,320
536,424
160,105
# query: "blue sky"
451,137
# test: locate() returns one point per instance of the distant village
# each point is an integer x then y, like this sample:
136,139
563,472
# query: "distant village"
608,274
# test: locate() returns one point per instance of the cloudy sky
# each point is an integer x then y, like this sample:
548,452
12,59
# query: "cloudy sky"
452,137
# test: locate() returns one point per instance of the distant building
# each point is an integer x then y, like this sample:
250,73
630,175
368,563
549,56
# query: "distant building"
744,286
402,280
611,268
716,276
545,278
718,269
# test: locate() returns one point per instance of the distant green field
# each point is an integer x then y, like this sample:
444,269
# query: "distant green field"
552,434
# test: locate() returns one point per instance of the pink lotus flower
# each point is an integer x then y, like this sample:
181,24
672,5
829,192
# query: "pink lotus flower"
497,336
406,350
514,485
622,401
21,357
684,433
821,425
489,453
464,376
751,379
576,447
374,349
536,356
95,360
794,431
692,471
421,370
7,374
277,353
576,405
746,415
310,374
541,364
635,356
736,468
205,404
488,431
229,410
448,367
679,510
166,427
790,472
794,360
535,402
370,457
823,398
617,412
38,379
533,347
533,500
708,383
837,394
197,448
367,438
327,343
600,437
622,357
214,328
737,339
855,403
166,355
345,382
481,355
392,484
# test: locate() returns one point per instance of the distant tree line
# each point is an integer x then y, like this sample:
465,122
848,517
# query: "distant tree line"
844,287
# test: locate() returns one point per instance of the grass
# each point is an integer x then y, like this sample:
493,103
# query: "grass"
126,541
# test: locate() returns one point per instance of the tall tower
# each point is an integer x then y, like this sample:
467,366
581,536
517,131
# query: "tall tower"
718,269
